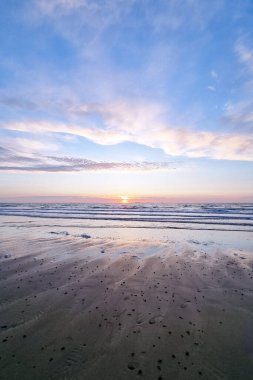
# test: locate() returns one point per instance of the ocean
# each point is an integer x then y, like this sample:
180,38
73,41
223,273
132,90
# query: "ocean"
213,216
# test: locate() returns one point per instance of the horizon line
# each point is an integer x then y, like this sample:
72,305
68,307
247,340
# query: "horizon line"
215,198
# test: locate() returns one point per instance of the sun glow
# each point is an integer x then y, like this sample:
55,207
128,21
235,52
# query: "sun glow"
124,199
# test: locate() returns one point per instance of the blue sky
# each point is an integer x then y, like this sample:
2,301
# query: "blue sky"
137,97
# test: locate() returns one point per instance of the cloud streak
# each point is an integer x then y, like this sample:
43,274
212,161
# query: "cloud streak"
10,161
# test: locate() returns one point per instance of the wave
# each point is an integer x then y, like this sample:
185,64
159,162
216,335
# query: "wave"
209,216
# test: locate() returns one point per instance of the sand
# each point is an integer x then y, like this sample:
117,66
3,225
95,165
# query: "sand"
82,307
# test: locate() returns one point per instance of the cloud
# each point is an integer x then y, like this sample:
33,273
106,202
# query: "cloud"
214,74
34,145
245,54
12,161
17,102
54,6
25,148
240,115
91,18
145,124
177,14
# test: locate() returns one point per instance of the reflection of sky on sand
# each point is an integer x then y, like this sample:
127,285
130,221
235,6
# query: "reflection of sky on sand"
205,240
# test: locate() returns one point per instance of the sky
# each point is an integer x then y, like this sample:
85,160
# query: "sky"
101,99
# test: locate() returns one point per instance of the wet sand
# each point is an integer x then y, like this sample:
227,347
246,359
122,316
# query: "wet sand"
79,307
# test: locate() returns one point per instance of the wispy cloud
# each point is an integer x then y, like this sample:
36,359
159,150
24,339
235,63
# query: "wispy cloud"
93,18
17,102
12,161
146,124
240,115
54,6
214,74
245,54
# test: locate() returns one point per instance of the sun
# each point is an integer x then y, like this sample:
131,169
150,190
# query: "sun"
124,199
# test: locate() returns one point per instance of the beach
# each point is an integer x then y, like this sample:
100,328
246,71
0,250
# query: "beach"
126,196
124,299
